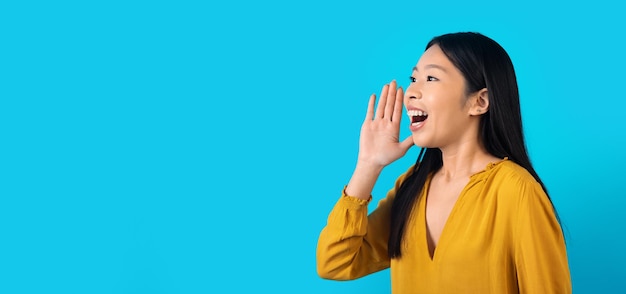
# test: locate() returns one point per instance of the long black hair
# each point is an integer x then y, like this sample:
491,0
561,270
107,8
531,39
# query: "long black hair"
484,64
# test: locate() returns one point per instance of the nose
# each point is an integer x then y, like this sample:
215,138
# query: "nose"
413,92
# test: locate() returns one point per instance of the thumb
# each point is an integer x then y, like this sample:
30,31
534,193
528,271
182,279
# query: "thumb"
407,143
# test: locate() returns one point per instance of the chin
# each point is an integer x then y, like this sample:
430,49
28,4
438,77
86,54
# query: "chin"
421,142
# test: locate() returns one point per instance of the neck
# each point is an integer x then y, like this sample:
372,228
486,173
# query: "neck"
463,160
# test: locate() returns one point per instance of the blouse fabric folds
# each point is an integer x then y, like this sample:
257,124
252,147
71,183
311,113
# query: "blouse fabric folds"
502,236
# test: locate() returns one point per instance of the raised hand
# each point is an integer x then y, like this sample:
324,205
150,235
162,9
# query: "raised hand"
379,144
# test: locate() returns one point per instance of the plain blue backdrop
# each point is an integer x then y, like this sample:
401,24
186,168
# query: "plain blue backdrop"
198,147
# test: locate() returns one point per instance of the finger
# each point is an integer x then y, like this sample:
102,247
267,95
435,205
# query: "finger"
391,100
380,110
407,143
397,109
370,108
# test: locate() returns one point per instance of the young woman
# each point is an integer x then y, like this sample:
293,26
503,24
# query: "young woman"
472,215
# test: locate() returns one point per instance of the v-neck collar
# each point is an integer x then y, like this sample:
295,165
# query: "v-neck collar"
437,251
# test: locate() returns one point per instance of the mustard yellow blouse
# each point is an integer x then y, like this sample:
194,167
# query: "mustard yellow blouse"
502,236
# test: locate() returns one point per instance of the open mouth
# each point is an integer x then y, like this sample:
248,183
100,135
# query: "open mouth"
417,116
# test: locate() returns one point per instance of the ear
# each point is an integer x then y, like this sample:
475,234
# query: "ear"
479,102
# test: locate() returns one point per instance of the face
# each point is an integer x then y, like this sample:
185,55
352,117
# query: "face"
440,112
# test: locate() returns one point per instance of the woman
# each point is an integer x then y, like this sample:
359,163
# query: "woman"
472,215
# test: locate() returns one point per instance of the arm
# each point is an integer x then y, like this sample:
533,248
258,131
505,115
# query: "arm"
379,143
353,244
540,254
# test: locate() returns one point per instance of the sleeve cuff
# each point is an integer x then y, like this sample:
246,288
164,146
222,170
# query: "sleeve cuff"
353,202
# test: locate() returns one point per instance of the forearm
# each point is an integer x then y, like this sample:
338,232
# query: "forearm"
363,180
352,244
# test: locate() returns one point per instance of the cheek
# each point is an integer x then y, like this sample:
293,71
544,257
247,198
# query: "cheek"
448,114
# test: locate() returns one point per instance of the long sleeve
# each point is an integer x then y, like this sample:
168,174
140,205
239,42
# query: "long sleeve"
540,254
354,244
501,237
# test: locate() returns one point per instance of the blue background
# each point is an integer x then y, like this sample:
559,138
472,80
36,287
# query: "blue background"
196,147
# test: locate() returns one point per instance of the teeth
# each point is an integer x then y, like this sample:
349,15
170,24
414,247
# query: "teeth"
416,113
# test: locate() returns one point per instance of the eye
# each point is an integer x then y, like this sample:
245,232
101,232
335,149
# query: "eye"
412,79
431,79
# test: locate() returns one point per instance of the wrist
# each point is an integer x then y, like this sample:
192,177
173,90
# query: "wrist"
369,166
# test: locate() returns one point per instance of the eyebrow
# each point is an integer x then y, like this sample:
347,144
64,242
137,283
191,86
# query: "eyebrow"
432,66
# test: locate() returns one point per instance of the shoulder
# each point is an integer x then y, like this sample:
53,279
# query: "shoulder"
516,193
507,173
512,183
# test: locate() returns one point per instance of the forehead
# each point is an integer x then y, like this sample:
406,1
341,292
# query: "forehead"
434,56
